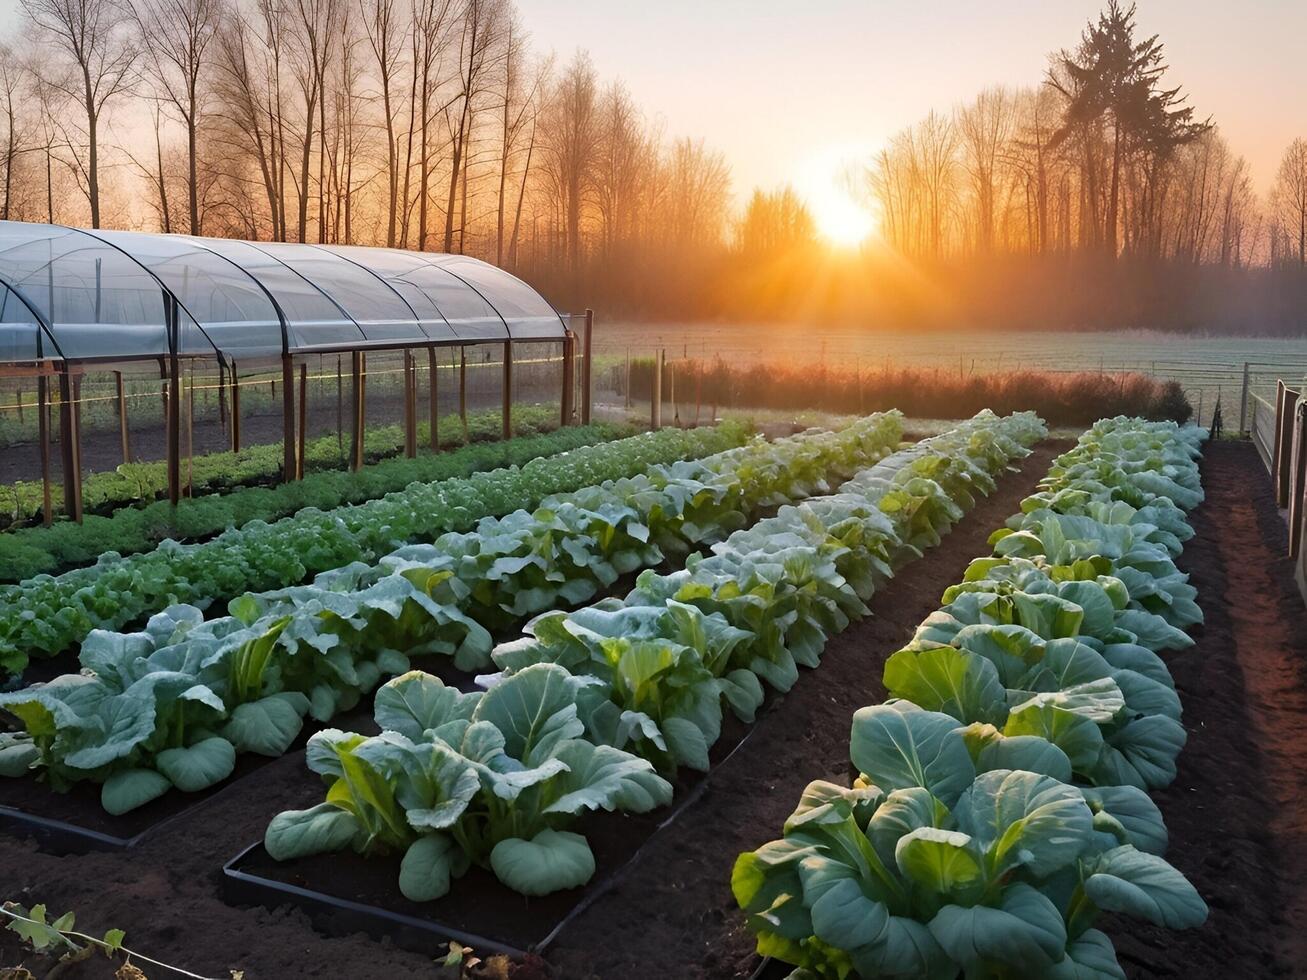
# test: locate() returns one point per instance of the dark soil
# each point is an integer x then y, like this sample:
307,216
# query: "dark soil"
1236,814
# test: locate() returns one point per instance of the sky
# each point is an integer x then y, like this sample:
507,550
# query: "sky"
793,90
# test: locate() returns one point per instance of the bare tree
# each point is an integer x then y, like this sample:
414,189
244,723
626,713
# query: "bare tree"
1290,196
175,39
96,64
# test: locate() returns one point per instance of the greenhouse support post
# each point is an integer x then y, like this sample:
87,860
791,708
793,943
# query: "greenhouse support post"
356,411
462,390
287,418
410,406
122,417
235,409
569,382
586,393
434,405
43,426
303,425
506,412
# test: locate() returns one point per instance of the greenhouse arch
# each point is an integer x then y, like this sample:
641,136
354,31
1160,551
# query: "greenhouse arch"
74,300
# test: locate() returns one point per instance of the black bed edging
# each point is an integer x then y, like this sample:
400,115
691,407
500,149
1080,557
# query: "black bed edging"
337,916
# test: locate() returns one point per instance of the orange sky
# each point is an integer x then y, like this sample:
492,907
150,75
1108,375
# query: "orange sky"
789,89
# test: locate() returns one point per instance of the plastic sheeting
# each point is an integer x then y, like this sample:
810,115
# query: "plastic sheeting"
112,295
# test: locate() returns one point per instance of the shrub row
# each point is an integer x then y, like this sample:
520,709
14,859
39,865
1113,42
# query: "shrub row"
1061,398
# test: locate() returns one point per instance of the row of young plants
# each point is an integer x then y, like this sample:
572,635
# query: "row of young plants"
221,472
598,708
231,489
47,615
174,705
1000,806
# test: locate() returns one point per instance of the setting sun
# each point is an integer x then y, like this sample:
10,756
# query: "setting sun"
838,216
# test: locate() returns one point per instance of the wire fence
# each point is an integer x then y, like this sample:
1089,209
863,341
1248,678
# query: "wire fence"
1208,369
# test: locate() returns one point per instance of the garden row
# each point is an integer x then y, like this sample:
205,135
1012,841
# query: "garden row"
600,708
999,806
47,615
38,550
172,706
133,484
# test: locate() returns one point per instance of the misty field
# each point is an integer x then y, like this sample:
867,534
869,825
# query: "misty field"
1205,366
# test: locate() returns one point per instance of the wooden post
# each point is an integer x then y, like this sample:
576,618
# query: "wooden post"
43,426
1243,401
587,356
340,411
656,393
1298,479
676,407
122,417
174,427
288,466
190,434
628,377
302,431
568,380
222,395
235,410
410,406
462,390
698,391
434,400
356,411
506,412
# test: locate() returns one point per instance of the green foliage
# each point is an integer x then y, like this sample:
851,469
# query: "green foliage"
120,497
1001,807
454,779
46,615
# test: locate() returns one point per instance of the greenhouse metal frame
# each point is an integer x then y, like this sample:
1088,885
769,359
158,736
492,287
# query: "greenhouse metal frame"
72,298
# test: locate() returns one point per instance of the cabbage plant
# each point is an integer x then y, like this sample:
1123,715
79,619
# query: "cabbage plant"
495,779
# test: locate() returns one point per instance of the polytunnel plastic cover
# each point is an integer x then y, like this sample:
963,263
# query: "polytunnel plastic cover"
105,294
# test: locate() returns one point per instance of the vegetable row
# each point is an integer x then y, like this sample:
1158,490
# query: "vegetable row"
1000,807
173,705
597,709
47,615
228,488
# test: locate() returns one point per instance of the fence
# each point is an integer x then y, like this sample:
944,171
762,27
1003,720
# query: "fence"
1279,431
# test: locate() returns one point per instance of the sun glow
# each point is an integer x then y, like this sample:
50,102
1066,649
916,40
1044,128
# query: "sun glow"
840,218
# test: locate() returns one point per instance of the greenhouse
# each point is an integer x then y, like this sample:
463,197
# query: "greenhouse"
176,343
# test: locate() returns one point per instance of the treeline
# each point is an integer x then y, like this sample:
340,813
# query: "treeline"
1095,198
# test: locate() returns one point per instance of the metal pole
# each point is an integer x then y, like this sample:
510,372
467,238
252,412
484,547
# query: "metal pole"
434,406
628,377
507,411
288,467
122,417
340,411
587,394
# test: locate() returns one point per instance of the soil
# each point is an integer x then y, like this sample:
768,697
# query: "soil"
1237,814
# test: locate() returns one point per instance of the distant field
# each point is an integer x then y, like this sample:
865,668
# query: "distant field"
1205,366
